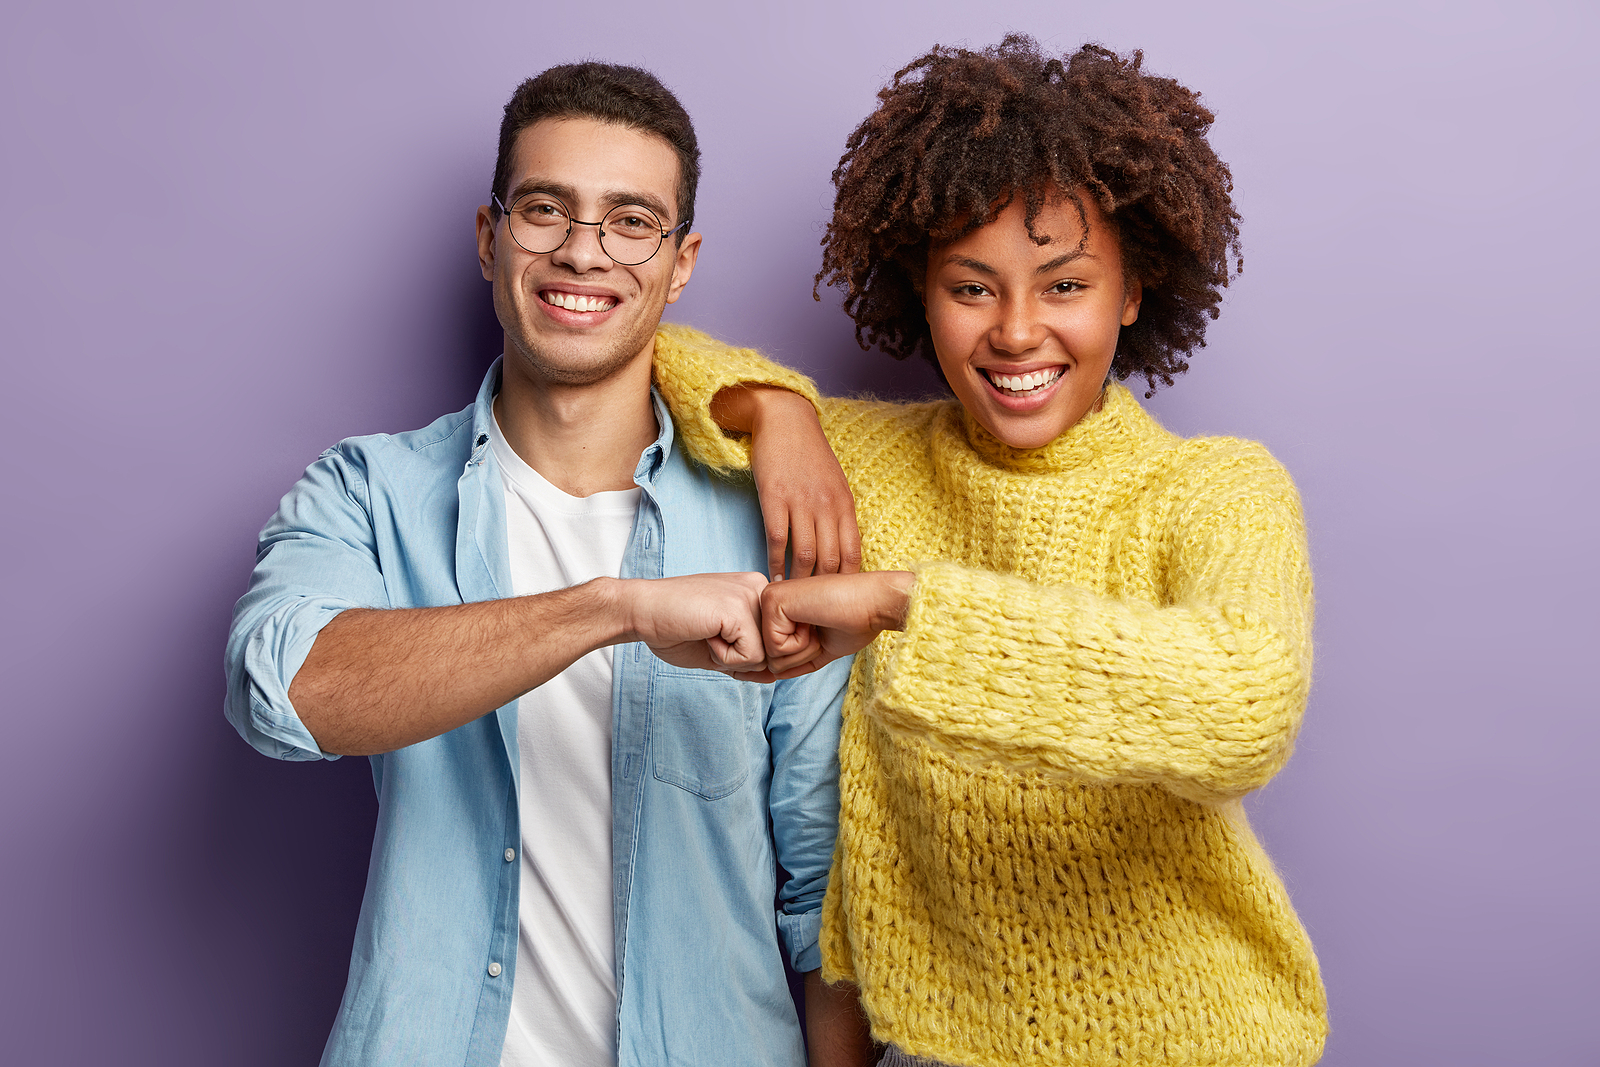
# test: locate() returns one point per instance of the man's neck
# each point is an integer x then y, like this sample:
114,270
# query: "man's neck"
582,439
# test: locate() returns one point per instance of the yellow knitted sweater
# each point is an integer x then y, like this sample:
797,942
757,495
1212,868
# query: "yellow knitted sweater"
1042,856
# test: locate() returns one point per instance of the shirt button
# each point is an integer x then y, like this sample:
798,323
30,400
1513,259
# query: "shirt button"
494,970
511,854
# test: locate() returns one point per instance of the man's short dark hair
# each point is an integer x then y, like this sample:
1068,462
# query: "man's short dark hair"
605,92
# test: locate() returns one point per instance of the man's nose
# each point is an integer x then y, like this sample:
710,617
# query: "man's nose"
582,251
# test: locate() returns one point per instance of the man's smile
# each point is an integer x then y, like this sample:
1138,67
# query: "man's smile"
577,301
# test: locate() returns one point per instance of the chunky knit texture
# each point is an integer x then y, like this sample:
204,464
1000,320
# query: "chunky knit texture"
1042,856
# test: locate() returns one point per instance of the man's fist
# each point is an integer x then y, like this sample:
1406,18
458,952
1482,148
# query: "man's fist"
705,621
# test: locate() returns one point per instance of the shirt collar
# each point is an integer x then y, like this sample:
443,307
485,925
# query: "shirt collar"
655,456
651,460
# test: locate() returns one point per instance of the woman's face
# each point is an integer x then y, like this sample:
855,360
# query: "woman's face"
1024,332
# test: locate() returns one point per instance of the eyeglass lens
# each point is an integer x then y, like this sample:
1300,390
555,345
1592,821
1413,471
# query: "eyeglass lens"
629,234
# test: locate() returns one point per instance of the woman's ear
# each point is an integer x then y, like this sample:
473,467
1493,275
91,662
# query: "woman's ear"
1132,293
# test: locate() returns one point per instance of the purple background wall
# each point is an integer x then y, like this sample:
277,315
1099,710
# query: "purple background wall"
233,237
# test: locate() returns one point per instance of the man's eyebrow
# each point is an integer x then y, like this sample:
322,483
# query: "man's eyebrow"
560,190
609,199
616,198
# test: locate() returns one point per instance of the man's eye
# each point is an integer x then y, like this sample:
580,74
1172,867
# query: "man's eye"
542,211
629,225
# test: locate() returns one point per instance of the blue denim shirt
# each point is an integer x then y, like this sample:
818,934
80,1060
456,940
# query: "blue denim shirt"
714,781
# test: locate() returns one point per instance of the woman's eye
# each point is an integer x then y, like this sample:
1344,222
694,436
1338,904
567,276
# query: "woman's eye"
971,289
1065,287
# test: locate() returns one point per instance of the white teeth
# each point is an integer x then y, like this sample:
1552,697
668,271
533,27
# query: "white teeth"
573,302
1025,383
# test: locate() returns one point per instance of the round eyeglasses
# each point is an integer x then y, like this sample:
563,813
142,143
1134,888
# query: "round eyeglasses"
629,233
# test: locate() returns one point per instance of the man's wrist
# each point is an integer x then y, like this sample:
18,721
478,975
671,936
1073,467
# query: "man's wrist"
610,603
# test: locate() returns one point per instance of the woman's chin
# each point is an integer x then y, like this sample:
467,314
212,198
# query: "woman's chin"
1020,433
1030,429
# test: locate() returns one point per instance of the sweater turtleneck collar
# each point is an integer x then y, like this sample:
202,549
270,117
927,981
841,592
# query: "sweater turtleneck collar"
1117,428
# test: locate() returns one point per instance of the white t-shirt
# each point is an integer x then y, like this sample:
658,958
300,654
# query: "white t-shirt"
563,1002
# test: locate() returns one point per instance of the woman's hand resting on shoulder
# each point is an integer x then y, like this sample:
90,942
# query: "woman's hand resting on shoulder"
809,622
806,503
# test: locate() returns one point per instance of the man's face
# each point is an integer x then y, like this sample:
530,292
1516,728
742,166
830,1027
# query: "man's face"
592,167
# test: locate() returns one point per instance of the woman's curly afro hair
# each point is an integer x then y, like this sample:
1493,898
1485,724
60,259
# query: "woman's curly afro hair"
959,135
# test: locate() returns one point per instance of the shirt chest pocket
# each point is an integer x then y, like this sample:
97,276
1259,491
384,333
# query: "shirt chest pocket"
702,728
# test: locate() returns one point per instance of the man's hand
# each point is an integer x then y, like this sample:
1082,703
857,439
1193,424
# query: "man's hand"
708,622
809,622
805,501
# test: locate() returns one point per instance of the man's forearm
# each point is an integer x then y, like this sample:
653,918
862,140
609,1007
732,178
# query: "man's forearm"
837,1031
377,680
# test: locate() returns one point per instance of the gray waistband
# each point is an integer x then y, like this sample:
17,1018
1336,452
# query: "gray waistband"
893,1057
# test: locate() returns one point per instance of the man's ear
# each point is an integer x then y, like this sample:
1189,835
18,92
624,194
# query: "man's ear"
485,224
1132,294
683,266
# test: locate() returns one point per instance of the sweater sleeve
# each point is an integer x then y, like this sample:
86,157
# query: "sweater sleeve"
1202,695
690,368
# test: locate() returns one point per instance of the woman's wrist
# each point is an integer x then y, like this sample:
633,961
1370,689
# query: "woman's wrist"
893,600
748,406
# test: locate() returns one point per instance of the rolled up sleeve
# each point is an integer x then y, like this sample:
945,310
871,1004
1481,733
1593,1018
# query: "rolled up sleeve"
316,557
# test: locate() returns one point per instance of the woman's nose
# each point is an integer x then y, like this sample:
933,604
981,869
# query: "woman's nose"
1019,328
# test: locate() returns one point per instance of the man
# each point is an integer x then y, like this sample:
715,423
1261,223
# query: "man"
577,841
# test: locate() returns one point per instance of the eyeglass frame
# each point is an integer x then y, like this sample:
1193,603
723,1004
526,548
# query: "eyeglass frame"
599,233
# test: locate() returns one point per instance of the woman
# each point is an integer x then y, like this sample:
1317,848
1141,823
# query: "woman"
1085,638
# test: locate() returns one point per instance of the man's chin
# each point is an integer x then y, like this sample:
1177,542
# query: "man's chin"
576,365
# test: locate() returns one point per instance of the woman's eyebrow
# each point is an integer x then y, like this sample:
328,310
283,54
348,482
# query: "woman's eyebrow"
971,264
983,268
1063,260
